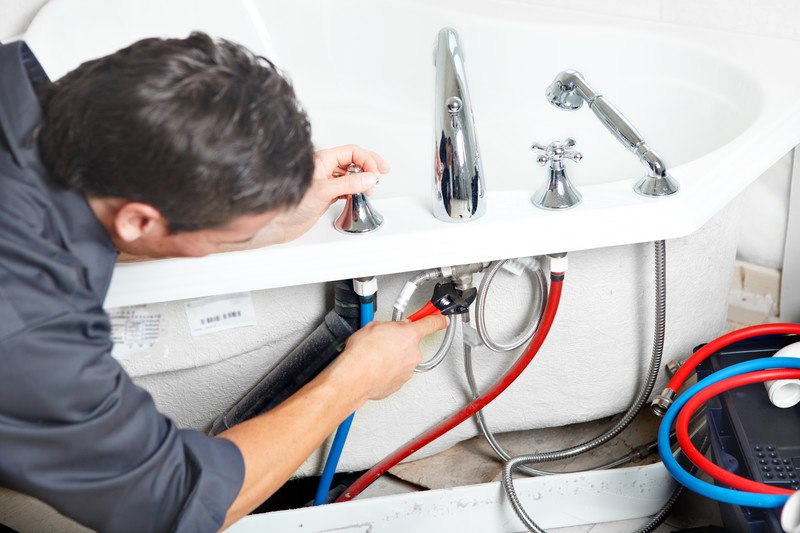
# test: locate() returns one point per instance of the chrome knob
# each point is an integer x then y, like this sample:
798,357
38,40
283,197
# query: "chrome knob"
558,192
358,216
557,151
454,105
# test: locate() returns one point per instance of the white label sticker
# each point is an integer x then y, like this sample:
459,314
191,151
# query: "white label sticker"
219,313
133,329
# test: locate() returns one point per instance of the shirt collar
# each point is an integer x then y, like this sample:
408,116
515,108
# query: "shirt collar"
20,111
36,73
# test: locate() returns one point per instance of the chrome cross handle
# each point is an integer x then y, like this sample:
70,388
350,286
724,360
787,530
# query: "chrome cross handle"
556,152
557,192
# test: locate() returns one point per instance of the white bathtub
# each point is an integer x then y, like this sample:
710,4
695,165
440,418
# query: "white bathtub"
706,101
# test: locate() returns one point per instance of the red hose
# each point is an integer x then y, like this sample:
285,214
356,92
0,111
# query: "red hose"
366,479
694,403
717,344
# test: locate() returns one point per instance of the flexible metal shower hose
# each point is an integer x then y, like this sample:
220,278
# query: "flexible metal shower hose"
489,342
641,399
480,310
449,333
498,448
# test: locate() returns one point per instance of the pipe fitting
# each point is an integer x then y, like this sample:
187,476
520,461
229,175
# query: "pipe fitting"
365,286
662,402
558,262
459,271
673,366
411,286
463,282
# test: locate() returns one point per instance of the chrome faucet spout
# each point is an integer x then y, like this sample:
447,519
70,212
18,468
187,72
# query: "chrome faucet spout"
569,91
459,189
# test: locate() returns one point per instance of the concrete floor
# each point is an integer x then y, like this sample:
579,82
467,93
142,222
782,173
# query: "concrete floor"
473,461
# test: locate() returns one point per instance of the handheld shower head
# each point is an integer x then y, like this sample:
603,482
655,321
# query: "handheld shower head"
566,90
569,90
563,97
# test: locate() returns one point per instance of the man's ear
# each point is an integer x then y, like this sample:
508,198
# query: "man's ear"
135,219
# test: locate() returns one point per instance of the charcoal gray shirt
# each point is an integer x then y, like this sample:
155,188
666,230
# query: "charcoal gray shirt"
74,429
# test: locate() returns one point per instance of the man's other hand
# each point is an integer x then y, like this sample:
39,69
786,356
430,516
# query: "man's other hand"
330,182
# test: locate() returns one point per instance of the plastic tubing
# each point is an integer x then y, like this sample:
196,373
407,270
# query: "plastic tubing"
736,497
367,315
556,281
714,346
682,429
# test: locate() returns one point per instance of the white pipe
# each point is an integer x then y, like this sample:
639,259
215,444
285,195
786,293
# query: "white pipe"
785,393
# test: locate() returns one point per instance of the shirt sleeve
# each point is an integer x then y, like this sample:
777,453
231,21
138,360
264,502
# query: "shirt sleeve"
76,433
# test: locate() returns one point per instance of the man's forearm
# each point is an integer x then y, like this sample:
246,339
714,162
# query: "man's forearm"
276,443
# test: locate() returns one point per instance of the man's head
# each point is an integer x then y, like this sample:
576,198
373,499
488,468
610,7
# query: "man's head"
179,140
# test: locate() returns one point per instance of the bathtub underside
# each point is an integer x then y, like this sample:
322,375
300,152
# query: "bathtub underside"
589,367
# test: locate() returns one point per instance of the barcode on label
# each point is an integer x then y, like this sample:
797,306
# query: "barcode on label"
218,318
219,313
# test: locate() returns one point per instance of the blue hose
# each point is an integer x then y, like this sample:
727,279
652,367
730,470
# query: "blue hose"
367,313
736,497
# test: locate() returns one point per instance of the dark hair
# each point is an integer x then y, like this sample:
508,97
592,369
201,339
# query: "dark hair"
201,129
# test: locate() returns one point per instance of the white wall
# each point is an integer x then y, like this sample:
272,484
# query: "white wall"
777,18
15,15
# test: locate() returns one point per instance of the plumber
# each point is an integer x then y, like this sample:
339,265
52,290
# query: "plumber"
167,148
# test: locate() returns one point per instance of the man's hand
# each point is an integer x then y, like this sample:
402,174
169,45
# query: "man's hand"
381,357
378,359
329,183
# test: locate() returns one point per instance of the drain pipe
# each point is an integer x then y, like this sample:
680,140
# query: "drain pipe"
302,364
